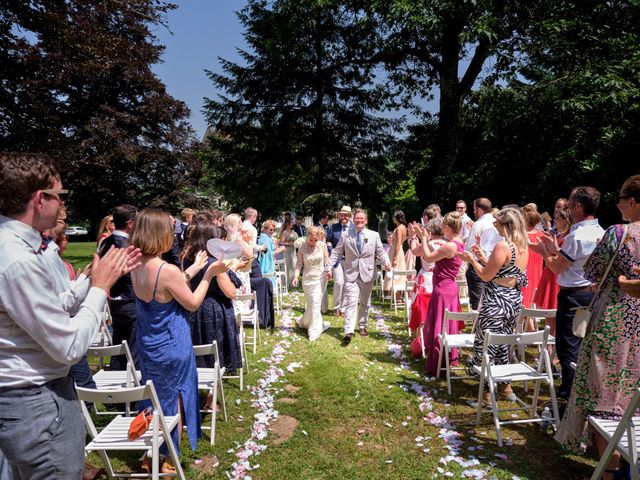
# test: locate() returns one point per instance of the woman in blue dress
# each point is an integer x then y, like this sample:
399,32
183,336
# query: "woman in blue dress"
266,255
163,337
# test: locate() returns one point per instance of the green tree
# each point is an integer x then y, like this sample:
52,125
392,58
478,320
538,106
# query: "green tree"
299,116
77,83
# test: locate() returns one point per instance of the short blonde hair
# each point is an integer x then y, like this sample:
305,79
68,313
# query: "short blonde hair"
232,224
268,223
152,232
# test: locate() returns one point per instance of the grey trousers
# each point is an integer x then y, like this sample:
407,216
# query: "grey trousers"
338,288
41,431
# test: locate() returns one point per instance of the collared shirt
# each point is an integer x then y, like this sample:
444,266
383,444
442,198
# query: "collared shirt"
487,232
70,292
38,339
578,245
465,231
247,225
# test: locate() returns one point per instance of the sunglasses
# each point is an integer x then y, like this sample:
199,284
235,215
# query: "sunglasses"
60,195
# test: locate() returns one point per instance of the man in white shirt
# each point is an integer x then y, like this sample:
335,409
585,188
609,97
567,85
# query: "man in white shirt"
248,225
485,234
467,223
568,263
41,431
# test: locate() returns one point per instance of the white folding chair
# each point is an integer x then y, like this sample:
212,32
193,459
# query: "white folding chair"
114,436
405,276
276,290
516,372
114,379
250,317
622,436
243,353
379,281
103,335
537,314
463,294
210,379
449,341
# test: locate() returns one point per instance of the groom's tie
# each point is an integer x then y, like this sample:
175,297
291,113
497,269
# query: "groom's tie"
359,242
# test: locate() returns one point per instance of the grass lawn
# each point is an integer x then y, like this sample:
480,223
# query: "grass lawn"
79,254
354,413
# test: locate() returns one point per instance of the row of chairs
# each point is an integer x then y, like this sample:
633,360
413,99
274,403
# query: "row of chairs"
491,375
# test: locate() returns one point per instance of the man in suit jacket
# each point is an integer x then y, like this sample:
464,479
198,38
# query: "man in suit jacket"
122,301
360,248
299,228
333,237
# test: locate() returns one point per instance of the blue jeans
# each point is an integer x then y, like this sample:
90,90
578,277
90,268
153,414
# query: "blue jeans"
42,432
567,344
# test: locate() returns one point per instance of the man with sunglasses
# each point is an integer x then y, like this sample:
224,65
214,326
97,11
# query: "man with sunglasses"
41,431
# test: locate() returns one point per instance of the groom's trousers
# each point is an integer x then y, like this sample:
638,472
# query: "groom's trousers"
355,301
338,287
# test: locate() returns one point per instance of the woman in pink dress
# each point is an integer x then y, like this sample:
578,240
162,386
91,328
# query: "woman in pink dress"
547,294
534,265
445,290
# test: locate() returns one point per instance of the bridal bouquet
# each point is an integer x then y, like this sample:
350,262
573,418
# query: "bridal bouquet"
299,242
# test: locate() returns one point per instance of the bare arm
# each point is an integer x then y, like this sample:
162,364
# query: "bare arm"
501,253
299,263
172,280
448,250
226,285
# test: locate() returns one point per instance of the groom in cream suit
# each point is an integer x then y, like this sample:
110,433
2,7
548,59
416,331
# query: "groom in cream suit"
360,248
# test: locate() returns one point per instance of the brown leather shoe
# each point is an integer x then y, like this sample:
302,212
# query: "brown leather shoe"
336,312
363,332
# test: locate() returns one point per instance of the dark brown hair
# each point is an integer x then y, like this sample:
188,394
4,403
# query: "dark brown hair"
21,175
201,233
631,188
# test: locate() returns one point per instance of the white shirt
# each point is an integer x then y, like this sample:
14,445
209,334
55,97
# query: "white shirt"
38,339
247,225
465,231
577,247
70,292
487,232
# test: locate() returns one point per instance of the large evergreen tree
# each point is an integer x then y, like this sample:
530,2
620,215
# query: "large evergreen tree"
298,116
77,83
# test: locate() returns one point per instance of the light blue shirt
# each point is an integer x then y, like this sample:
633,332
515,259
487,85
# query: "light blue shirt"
39,340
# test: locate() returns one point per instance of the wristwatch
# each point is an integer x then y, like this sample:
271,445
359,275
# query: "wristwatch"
187,276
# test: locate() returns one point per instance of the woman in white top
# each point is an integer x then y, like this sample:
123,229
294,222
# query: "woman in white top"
313,255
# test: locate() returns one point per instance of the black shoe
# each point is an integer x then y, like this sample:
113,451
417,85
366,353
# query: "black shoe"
347,339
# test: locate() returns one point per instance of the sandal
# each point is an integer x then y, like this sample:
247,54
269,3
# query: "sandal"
165,467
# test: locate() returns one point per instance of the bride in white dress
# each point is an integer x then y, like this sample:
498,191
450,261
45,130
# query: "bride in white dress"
313,256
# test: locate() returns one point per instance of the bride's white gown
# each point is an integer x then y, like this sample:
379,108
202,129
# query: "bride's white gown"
312,285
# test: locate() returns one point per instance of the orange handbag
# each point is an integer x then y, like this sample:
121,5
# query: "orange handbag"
140,424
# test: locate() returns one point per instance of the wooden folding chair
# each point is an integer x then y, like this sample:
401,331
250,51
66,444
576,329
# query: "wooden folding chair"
516,372
622,436
450,341
114,436
210,379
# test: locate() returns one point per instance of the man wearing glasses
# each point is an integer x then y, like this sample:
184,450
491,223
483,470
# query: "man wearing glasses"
41,431
467,223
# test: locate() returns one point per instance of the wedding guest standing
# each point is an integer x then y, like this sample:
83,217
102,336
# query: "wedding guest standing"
164,346
396,253
504,274
42,434
534,266
105,229
313,257
568,263
268,250
287,237
336,231
608,368
445,290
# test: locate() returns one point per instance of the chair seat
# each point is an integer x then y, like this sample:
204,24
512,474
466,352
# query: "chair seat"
513,372
461,340
606,428
115,435
113,379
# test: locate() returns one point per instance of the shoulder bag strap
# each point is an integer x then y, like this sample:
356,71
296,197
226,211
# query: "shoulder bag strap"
606,272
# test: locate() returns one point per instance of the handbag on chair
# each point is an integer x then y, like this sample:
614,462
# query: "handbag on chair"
582,317
140,424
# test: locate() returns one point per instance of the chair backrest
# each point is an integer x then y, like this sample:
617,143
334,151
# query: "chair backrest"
516,339
208,349
538,312
111,351
402,273
245,297
461,283
469,318
269,275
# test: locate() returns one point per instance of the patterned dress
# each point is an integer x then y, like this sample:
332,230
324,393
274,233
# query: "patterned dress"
498,311
608,370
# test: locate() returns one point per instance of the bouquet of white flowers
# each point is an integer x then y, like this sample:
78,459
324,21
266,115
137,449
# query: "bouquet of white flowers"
299,242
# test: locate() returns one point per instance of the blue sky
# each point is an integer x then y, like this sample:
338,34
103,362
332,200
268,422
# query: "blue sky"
203,30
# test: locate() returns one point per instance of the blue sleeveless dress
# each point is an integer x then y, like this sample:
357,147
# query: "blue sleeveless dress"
166,357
